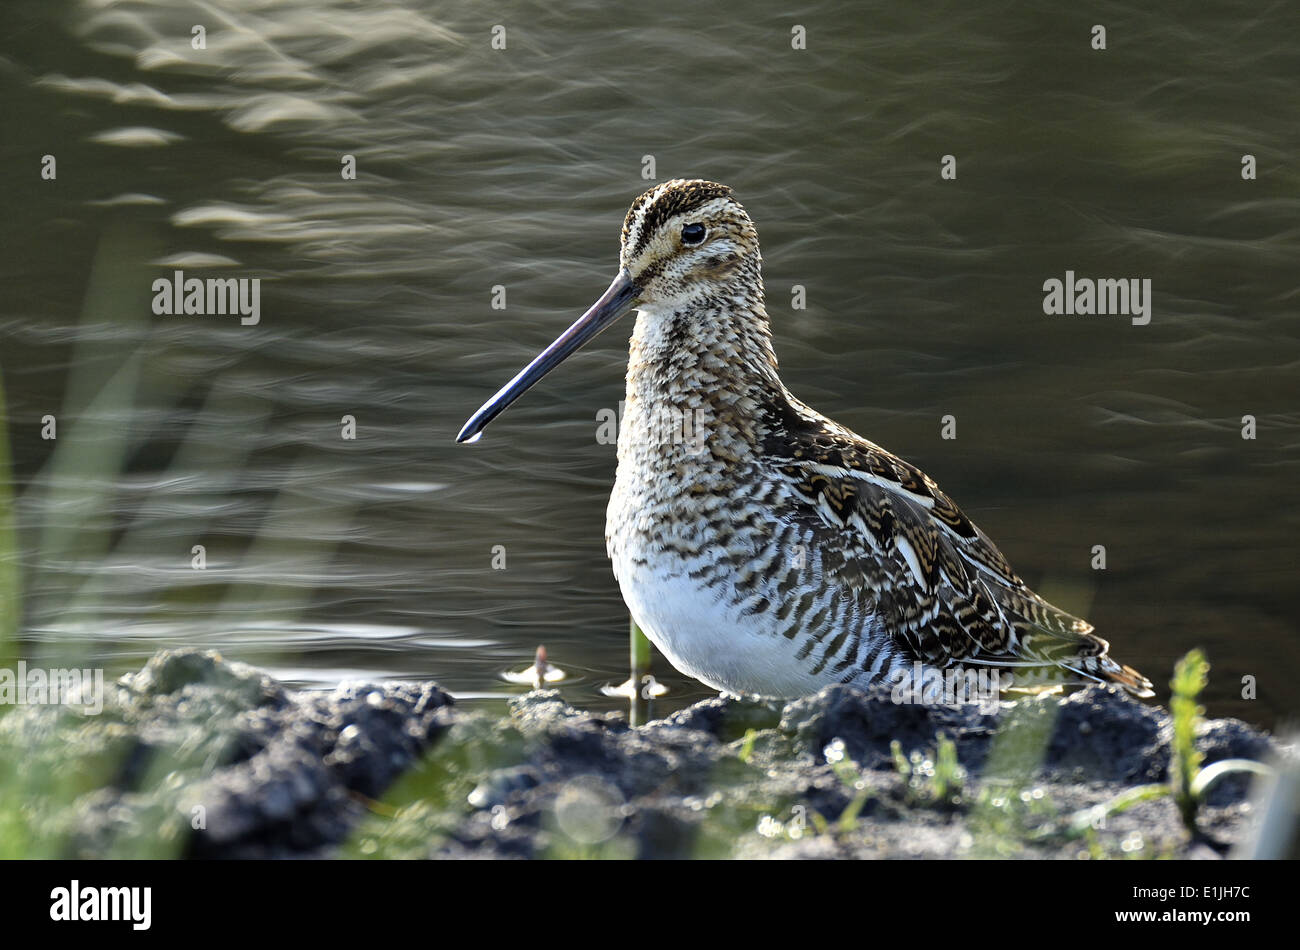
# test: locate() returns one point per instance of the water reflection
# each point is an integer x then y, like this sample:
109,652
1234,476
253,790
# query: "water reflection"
326,556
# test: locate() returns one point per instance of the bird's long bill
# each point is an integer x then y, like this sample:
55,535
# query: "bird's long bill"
621,295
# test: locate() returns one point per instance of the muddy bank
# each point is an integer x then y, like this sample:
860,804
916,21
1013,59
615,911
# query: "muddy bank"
195,756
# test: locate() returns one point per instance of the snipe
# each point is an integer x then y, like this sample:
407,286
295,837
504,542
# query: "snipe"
764,548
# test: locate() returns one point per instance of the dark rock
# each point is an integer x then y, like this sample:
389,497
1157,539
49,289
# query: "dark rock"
216,759
868,722
1108,735
1230,739
197,756
725,717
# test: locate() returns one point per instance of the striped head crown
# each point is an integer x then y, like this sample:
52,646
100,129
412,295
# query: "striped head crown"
686,239
690,255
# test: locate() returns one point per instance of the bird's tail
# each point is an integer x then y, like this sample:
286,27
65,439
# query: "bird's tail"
1105,670
1054,637
1085,655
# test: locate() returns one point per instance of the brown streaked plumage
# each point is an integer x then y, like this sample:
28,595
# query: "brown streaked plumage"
764,548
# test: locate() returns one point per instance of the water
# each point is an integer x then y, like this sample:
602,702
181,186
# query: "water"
329,558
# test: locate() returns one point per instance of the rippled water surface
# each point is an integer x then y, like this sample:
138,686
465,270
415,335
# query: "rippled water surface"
329,558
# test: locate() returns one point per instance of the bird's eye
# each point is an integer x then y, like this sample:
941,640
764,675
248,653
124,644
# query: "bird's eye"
693,234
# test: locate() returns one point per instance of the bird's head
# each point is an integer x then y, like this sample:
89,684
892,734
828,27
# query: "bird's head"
687,243
684,241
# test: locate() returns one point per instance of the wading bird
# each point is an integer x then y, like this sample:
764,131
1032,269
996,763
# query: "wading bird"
764,548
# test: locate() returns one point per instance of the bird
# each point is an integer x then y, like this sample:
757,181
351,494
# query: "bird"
765,549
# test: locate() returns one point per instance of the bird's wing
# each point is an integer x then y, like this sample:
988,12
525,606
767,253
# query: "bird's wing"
943,589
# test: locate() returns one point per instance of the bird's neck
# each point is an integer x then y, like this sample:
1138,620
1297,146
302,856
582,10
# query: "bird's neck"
699,373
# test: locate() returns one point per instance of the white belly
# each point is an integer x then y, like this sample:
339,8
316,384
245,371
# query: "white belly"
705,637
